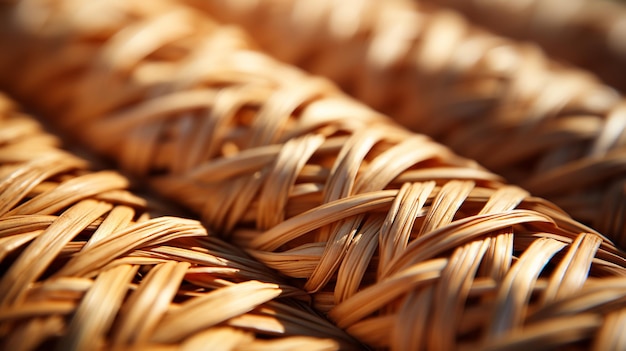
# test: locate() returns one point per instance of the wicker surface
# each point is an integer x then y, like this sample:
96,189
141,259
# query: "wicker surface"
590,33
84,267
401,242
556,131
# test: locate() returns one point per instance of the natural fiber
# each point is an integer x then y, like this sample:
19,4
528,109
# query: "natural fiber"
556,131
85,268
401,242
589,33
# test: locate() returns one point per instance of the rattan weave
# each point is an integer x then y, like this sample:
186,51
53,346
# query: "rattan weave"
589,33
556,131
84,267
401,242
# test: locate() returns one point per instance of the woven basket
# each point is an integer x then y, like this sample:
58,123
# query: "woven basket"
86,268
556,131
398,240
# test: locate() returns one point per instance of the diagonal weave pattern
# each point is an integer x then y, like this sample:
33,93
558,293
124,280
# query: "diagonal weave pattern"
589,33
401,242
84,267
556,131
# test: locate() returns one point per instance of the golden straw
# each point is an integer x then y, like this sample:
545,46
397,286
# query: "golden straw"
556,131
589,33
86,268
401,242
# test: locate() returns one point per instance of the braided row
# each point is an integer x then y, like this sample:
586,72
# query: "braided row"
401,242
588,33
86,268
555,131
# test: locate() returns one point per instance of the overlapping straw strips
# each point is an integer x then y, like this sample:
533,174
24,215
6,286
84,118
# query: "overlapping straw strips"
84,267
556,131
399,241
591,34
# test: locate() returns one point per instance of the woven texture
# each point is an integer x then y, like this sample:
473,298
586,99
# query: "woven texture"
401,242
556,131
589,33
86,268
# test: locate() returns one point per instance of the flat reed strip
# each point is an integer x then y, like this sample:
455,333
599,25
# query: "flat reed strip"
555,131
84,267
398,240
